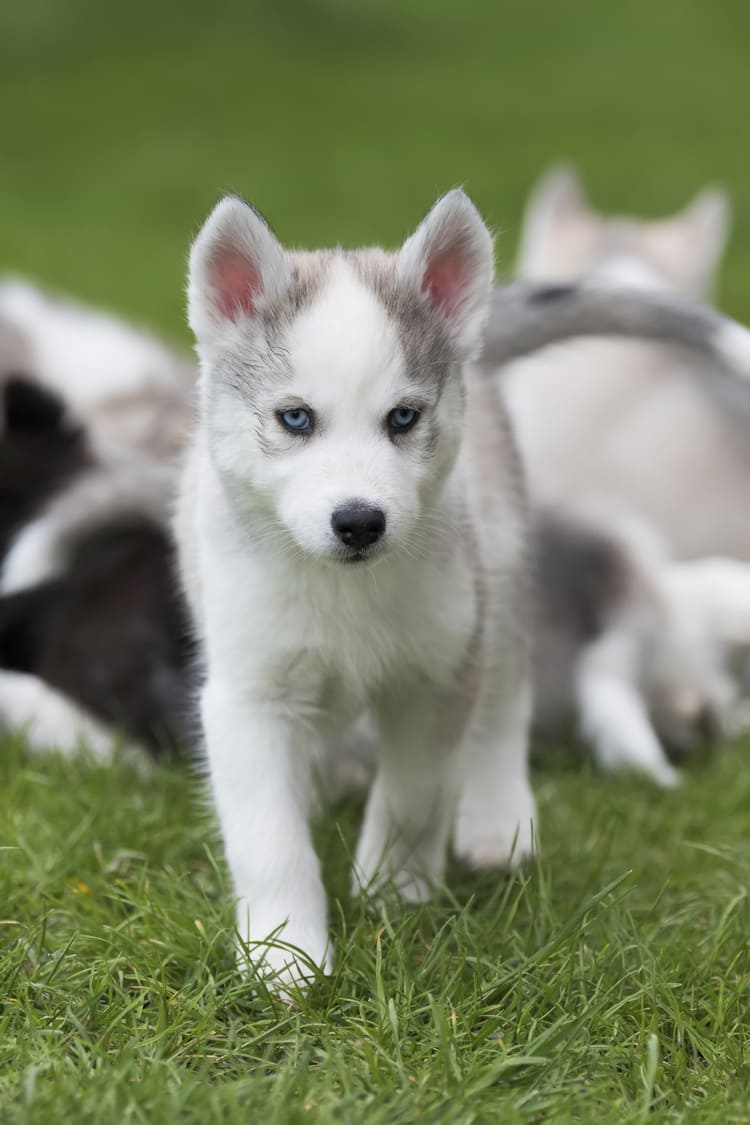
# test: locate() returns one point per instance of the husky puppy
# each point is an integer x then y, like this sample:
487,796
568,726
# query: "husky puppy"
628,426
110,633
640,452
41,450
101,648
352,537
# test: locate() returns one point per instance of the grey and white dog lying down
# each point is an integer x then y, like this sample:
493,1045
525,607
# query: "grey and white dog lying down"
151,383
631,442
626,426
93,415
103,645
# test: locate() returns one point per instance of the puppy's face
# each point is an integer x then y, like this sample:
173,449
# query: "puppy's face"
332,389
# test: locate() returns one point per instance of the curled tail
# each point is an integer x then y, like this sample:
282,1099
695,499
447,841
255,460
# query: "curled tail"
526,316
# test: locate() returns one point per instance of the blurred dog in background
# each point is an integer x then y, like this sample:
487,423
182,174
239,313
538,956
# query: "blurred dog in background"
94,641
631,426
637,454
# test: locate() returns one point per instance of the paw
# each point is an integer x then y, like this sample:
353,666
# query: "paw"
289,956
389,866
386,885
501,835
654,766
661,773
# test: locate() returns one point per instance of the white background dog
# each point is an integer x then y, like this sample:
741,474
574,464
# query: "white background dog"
642,451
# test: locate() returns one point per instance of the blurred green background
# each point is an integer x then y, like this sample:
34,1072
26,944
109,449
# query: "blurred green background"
343,119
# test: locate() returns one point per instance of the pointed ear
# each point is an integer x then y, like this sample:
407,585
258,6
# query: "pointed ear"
237,267
449,259
557,194
706,222
556,197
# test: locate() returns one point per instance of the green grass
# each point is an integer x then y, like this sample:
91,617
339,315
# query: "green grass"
609,984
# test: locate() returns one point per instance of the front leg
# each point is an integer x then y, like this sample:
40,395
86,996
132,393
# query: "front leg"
410,809
495,826
260,764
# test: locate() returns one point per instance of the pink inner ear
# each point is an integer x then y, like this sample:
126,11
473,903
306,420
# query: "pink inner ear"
237,284
446,279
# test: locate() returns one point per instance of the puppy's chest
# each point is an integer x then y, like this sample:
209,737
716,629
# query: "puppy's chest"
355,635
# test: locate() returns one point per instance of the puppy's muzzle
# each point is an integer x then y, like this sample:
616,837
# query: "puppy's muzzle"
358,525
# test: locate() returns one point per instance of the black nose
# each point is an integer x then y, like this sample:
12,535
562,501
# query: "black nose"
358,524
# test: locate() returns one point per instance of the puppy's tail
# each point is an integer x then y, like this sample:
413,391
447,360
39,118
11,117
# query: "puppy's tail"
526,316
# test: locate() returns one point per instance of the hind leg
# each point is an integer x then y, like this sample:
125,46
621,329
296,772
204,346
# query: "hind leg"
495,825
613,715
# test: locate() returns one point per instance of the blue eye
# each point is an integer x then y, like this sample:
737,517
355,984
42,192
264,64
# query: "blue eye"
297,420
401,419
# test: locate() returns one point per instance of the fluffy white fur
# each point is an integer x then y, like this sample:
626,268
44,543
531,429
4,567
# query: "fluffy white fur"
47,719
134,394
660,668
88,356
427,632
635,427
123,486
637,436
672,666
563,238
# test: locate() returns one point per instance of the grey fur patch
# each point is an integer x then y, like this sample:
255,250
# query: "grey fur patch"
262,358
15,351
428,351
582,577
548,294
309,272
526,316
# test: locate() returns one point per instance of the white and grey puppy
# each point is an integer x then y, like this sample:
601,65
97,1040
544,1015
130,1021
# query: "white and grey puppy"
624,425
639,451
352,537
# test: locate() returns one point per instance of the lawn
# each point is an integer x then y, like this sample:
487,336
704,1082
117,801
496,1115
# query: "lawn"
611,983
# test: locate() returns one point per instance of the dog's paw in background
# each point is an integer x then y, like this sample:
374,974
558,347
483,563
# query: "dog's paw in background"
48,720
502,837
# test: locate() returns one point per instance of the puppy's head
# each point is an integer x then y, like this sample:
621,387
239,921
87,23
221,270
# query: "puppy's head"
332,391
564,238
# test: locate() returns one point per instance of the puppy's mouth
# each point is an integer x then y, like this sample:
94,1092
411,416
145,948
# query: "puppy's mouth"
353,556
